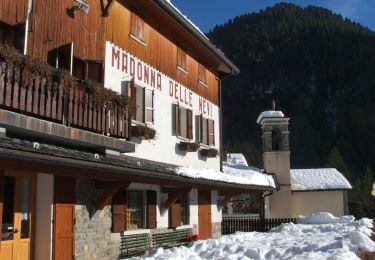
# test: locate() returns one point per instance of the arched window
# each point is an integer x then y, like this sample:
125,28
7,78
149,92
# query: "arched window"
276,140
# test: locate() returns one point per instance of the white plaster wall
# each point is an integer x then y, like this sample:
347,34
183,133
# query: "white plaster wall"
162,216
215,208
164,147
307,203
44,217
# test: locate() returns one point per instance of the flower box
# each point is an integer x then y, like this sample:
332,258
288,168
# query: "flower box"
189,147
143,131
209,152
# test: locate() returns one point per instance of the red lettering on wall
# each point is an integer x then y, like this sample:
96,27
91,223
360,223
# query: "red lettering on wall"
124,62
139,70
190,99
175,91
132,66
159,81
146,71
182,101
115,57
200,104
171,88
204,106
186,102
153,78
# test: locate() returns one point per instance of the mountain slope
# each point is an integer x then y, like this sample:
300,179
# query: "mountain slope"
319,68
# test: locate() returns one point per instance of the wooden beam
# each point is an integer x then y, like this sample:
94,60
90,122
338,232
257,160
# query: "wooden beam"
107,8
173,195
111,188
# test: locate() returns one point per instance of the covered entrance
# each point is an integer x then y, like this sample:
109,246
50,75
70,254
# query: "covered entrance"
16,204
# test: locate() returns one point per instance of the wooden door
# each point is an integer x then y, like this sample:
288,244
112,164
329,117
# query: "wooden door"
204,214
16,211
64,218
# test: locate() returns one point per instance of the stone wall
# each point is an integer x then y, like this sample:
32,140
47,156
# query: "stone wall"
93,227
216,230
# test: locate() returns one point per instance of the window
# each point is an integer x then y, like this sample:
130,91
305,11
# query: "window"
207,131
276,140
137,28
144,100
89,69
184,122
184,204
135,210
246,204
202,74
181,60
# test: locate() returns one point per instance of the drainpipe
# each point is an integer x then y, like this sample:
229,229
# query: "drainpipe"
29,9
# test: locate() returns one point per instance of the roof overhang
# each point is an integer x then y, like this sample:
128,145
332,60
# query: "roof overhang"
48,163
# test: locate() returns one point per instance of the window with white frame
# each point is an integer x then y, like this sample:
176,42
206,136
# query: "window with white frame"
184,122
207,131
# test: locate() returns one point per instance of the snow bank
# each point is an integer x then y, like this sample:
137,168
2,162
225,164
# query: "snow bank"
318,179
269,113
324,218
336,240
230,174
236,159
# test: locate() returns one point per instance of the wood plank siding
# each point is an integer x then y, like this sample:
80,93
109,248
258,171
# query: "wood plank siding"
54,23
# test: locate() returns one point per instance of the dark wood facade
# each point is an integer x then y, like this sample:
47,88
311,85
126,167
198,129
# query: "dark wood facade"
55,23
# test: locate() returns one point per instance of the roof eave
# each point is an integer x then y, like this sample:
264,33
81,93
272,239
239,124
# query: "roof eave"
198,35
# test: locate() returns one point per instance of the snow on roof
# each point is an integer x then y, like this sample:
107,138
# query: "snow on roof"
235,170
318,179
269,113
187,19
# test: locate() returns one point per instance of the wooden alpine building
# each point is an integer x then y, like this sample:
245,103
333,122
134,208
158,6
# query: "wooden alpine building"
81,172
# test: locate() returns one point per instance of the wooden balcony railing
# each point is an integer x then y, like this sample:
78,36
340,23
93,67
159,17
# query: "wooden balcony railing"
232,225
47,99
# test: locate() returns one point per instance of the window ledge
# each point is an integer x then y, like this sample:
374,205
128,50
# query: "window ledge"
183,70
184,227
133,37
202,83
136,232
185,139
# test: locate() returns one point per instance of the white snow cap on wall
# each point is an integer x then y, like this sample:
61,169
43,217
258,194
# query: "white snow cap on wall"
269,113
318,179
235,170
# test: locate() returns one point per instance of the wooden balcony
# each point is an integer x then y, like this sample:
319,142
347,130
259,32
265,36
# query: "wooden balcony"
72,107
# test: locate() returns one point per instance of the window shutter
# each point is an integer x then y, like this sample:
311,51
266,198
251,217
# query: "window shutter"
149,105
119,209
201,129
177,120
181,58
211,132
134,28
189,123
94,71
201,73
1,199
175,214
151,209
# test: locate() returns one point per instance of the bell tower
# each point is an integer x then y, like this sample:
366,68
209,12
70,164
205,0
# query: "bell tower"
276,159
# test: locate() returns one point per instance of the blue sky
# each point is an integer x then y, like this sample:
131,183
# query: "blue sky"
208,13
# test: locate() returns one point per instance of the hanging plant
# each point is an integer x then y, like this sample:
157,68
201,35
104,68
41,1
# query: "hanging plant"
189,147
143,131
210,152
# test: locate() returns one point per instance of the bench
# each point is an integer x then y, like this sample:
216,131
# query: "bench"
171,239
134,245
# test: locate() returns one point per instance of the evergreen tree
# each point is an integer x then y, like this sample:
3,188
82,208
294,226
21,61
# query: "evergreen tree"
336,161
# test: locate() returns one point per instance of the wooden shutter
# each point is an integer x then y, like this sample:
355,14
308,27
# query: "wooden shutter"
181,58
211,132
177,120
134,27
149,105
175,214
1,200
119,209
189,123
201,129
202,73
137,27
151,209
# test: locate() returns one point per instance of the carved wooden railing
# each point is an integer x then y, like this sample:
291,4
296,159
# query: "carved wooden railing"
232,225
47,99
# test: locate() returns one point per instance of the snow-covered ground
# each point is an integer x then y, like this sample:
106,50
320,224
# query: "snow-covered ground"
321,236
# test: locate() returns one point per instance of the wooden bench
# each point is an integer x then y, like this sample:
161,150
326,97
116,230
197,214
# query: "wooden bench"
171,239
134,245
